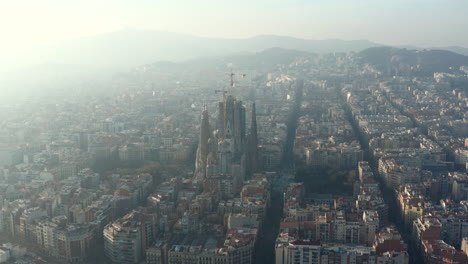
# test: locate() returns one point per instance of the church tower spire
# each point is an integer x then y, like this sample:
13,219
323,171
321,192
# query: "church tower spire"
202,151
252,165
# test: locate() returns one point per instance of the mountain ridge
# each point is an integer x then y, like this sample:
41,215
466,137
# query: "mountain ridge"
391,60
127,48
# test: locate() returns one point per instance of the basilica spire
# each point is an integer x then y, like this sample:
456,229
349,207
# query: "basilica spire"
252,165
202,151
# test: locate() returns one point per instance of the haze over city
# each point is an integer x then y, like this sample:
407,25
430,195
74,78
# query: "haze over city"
29,27
234,132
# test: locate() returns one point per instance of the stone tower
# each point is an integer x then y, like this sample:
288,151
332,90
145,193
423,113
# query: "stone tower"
231,124
252,165
203,146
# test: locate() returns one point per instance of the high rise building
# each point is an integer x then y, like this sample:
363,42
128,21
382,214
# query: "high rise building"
312,252
370,225
390,247
298,252
74,243
122,242
126,239
425,228
68,243
439,252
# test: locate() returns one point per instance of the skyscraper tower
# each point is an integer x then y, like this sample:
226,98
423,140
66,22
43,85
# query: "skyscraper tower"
203,148
252,165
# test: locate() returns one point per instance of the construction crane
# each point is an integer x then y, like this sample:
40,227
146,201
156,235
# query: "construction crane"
231,75
222,91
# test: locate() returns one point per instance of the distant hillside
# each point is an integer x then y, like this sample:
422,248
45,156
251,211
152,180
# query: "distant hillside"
263,42
247,60
456,49
420,62
129,48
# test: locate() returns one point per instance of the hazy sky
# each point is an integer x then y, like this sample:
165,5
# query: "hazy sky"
26,24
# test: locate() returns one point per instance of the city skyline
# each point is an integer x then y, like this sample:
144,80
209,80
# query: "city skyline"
265,132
